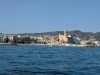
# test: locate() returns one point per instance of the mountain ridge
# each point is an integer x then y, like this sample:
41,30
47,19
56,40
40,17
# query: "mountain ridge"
75,32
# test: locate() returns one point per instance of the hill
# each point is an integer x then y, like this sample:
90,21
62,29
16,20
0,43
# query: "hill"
75,32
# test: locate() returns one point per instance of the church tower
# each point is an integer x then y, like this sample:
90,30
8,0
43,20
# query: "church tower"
63,38
65,33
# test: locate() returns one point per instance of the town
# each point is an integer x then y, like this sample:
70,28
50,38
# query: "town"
64,39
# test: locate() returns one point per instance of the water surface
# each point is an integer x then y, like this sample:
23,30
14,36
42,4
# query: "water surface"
45,60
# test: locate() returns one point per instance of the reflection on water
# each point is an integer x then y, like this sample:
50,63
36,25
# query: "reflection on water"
45,60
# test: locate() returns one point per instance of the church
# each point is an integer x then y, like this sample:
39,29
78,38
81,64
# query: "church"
63,38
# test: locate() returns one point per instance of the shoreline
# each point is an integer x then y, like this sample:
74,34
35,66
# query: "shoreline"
67,45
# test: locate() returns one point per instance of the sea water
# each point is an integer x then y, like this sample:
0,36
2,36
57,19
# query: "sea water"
46,60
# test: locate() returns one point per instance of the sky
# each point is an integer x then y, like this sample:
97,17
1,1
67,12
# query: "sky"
31,16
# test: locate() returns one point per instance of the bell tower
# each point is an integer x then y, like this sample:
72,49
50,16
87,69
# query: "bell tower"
65,33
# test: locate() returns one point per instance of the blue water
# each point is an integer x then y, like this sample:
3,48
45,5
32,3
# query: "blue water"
45,60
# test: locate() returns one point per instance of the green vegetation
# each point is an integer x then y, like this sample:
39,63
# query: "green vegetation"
75,32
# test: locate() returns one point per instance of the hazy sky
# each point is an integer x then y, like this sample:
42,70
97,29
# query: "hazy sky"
18,16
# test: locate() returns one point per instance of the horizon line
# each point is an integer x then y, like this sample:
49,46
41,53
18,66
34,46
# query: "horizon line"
47,32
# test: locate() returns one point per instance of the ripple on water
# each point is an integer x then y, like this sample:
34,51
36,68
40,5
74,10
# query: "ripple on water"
45,60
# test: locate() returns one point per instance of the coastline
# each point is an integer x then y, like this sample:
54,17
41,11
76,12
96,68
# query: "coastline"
66,45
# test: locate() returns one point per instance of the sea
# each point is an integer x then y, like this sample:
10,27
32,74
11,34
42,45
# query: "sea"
47,60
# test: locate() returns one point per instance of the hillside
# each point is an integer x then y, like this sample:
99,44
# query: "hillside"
75,32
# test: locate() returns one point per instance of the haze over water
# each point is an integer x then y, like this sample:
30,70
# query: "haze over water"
45,60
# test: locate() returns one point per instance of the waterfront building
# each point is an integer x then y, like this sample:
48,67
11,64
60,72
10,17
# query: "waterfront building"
70,40
10,38
76,40
19,39
97,43
73,40
4,38
1,36
83,42
63,38
26,39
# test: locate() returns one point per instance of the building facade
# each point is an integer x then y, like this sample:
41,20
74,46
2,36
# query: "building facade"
63,38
